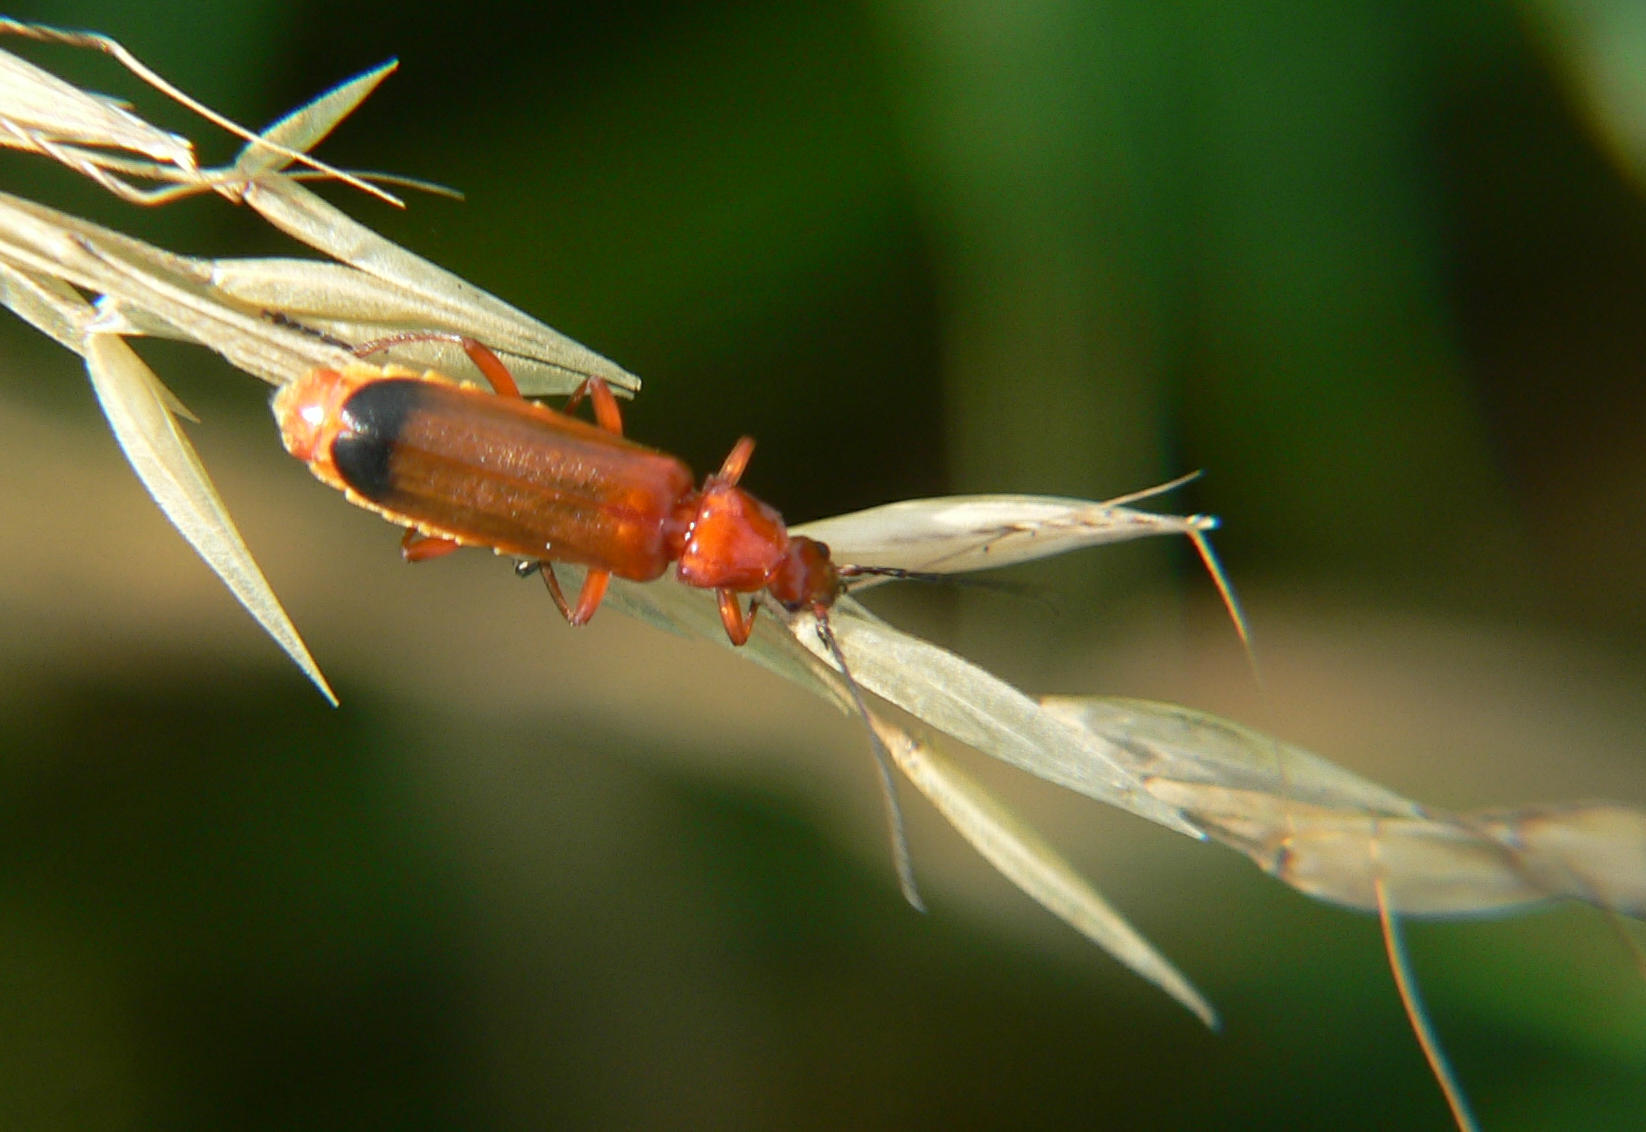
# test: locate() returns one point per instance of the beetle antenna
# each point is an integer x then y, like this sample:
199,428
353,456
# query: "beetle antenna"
853,571
1007,586
883,759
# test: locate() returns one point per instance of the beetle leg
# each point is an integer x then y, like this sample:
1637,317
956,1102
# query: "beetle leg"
736,460
738,626
588,598
418,547
606,413
489,364
553,585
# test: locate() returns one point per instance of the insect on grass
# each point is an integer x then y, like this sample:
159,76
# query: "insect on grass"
1308,824
458,465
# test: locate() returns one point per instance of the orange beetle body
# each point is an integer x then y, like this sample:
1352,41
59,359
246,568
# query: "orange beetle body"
462,466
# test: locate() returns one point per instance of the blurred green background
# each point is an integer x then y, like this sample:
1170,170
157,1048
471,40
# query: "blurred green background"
1379,269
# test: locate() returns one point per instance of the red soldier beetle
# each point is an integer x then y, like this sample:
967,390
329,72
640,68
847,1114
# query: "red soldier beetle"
458,465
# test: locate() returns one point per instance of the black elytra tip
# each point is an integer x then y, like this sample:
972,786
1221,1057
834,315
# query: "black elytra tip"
374,417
